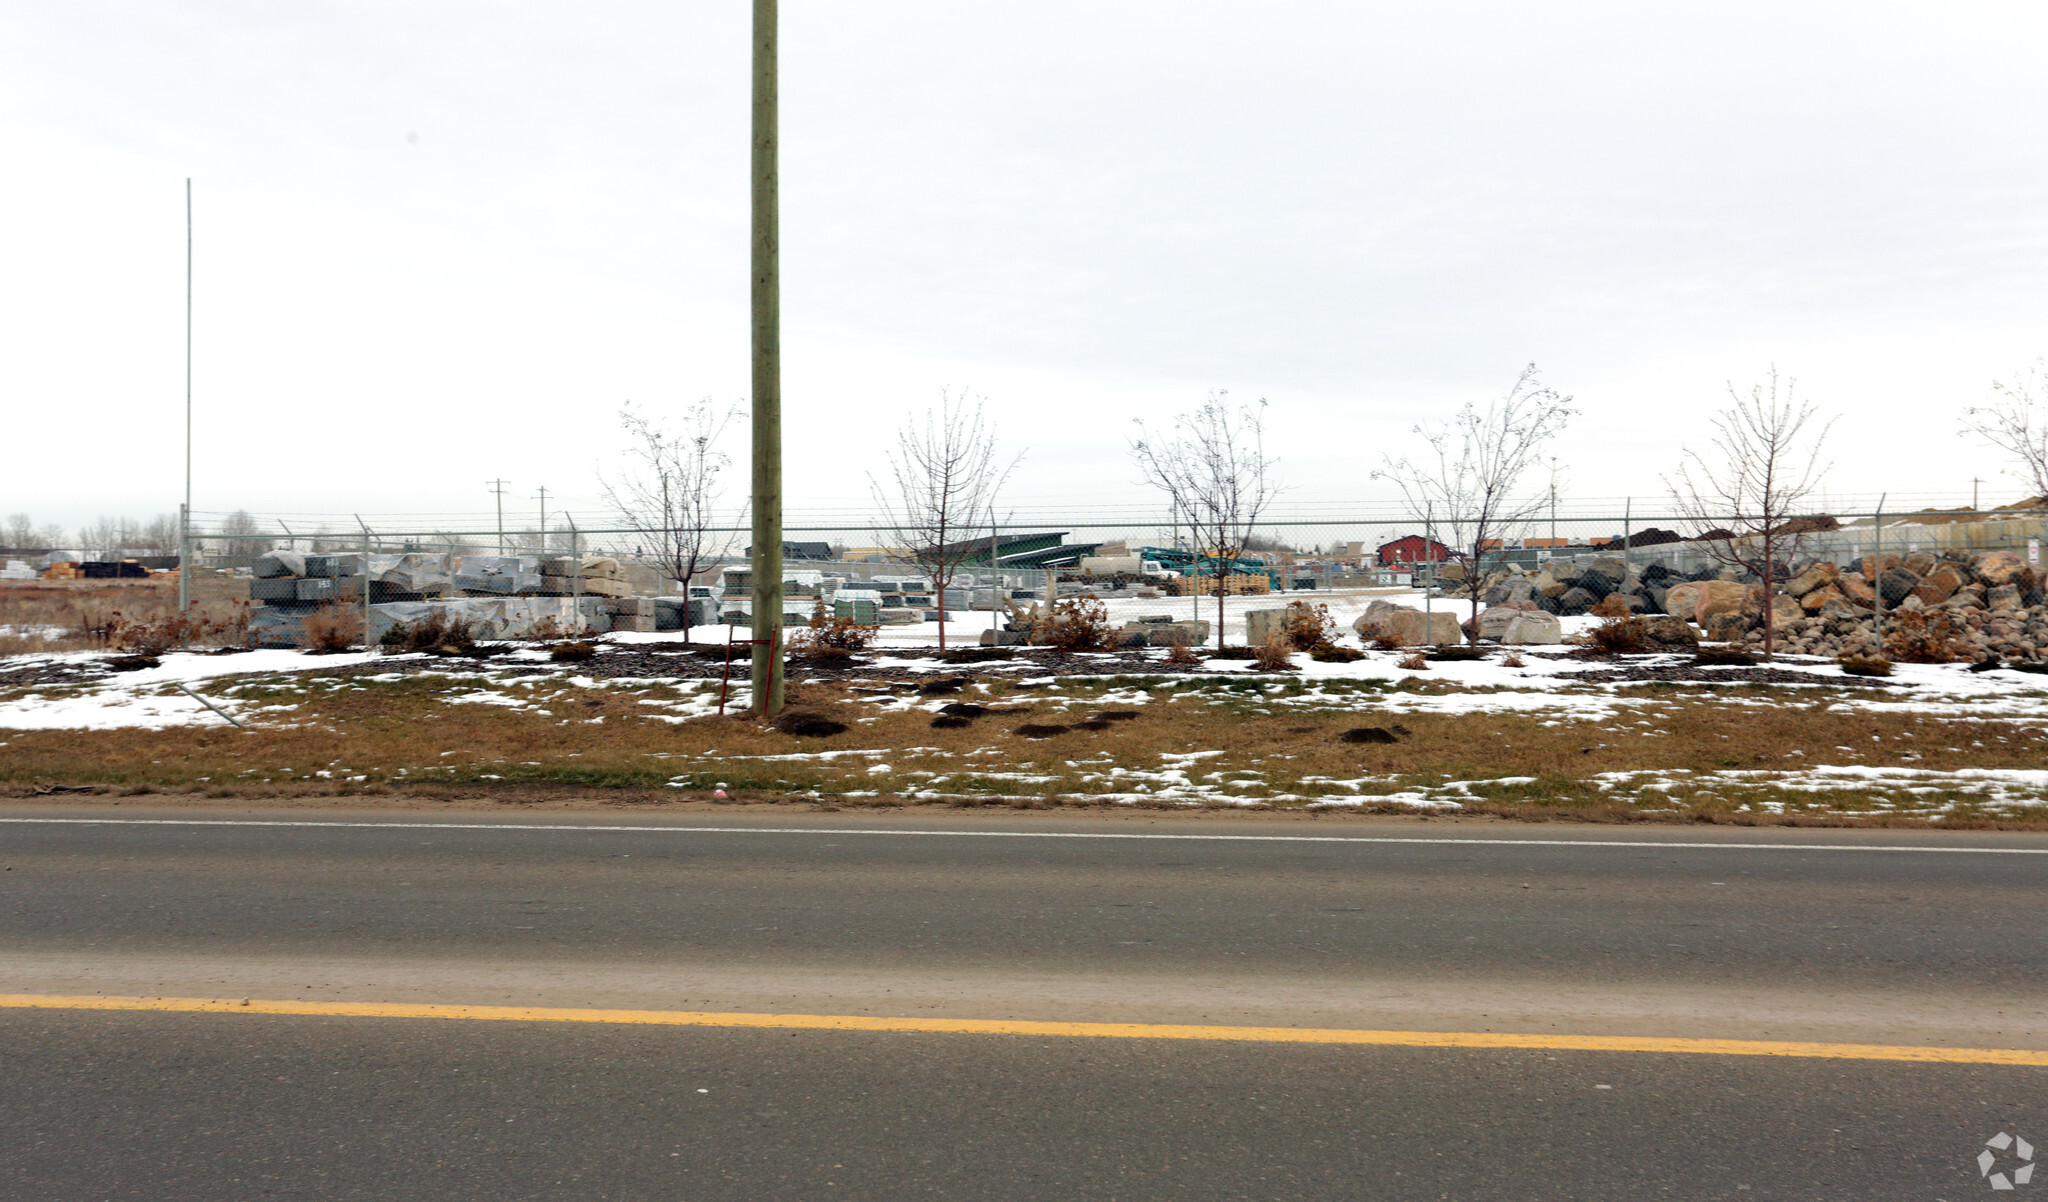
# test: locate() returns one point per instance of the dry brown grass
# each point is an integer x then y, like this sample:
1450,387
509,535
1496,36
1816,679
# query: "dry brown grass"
404,735
87,615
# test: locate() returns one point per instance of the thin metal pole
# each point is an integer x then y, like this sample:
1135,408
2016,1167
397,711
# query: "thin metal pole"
185,511
498,487
995,575
366,581
1877,569
576,580
767,353
543,521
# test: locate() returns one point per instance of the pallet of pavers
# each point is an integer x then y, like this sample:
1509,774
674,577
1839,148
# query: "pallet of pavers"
601,576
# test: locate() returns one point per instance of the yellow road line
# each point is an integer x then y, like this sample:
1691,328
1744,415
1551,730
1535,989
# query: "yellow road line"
979,1026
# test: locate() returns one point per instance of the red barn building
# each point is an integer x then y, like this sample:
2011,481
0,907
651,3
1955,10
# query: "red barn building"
1412,549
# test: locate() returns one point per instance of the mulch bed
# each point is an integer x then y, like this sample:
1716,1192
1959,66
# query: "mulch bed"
1694,674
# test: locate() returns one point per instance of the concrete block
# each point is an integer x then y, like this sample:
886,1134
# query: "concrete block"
633,606
279,588
647,623
278,563
331,566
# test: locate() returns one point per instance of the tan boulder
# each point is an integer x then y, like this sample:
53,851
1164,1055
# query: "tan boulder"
2000,567
1670,630
1682,599
1821,600
1920,563
1818,575
1857,588
1372,623
1785,610
1868,565
2004,596
1719,597
1528,627
1416,629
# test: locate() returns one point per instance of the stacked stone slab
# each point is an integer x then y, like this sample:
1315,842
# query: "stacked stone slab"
601,576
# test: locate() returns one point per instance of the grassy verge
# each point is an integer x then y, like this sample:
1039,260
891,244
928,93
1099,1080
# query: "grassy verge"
1654,753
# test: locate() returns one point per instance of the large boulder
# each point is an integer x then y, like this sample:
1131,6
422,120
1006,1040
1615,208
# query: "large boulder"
1815,576
1857,588
1532,627
1897,584
1416,629
1995,568
1682,599
1718,597
1919,563
1576,600
1372,623
1670,630
1824,599
1868,565
1940,583
2003,597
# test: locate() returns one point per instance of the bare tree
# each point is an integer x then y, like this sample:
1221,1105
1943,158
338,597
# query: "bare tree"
1465,485
2016,422
105,537
240,537
1213,467
671,493
1762,467
17,532
943,477
158,537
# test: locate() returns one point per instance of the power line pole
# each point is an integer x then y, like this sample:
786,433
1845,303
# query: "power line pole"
498,487
185,510
1974,482
543,494
767,350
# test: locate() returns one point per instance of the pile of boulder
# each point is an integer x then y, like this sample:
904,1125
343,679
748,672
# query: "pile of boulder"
1567,588
1981,603
1987,603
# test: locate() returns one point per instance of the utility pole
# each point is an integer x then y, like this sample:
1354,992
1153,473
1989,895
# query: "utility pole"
498,487
543,494
185,510
767,352
1974,482
1553,504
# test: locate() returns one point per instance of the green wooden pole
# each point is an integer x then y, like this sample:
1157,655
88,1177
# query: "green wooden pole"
767,410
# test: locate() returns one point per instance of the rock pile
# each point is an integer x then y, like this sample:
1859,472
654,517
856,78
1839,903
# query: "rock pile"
1987,603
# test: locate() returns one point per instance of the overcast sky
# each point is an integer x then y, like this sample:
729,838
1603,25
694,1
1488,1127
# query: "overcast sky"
443,242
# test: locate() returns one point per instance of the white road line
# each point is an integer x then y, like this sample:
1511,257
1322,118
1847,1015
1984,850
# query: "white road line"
597,828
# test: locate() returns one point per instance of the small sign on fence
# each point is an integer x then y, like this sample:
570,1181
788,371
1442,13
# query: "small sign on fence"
2034,551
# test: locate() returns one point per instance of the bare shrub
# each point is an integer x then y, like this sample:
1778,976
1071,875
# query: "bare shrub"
332,628
1276,654
163,634
1415,662
1620,632
1921,637
1330,654
1308,626
1866,665
1178,652
434,634
571,653
1078,624
832,638
1388,641
1513,659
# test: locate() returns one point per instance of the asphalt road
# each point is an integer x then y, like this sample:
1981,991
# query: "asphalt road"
1489,929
